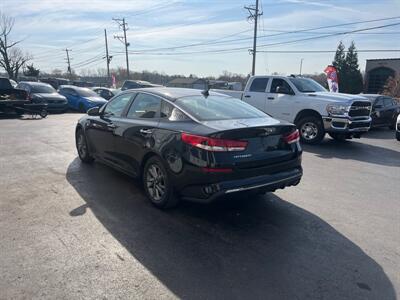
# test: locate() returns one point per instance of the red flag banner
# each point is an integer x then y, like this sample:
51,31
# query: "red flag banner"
333,81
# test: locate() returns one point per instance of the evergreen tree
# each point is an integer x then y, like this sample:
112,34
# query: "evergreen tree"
339,62
340,57
31,71
354,80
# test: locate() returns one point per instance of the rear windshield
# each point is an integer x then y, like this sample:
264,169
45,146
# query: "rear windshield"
43,89
84,92
218,108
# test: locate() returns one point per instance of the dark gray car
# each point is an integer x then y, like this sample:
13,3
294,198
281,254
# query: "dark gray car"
40,92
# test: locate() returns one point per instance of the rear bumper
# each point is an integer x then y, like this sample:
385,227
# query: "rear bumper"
347,125
207,193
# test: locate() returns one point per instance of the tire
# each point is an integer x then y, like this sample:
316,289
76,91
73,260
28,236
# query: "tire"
82,147
157,184
44,113
81,108
398,135
311,130
340,137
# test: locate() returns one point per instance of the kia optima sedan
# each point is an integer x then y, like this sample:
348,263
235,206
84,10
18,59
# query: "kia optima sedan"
190,144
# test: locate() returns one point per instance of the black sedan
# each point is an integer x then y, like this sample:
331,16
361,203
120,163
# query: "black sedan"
39,92
384,111
189,144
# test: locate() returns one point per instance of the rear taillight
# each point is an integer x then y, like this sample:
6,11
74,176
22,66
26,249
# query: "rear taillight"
293,137
212,144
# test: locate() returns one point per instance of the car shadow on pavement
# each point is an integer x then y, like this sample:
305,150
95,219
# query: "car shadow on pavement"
380,133
239,248
354,150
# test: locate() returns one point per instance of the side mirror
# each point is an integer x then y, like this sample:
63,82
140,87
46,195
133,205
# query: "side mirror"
283,90
94,111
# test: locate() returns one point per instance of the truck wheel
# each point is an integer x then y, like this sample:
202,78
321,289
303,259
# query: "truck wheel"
311,130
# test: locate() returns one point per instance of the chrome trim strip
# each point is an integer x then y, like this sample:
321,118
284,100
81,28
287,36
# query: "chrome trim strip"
261,185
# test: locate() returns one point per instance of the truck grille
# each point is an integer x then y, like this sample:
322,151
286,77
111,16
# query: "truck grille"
360,109
359,125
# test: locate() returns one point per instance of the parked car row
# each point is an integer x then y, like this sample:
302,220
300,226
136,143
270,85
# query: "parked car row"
66,97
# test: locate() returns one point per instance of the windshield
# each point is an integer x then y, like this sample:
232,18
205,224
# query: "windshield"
84,92
307,85
218,108
43,89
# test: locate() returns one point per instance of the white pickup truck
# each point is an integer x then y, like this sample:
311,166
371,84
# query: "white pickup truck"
310,106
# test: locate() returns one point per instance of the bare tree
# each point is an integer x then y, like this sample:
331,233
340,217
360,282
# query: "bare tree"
392,87
11,57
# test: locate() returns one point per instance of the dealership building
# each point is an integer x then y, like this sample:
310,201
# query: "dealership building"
377,71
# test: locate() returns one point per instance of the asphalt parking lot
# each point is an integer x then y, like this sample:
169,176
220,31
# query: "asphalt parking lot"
72,231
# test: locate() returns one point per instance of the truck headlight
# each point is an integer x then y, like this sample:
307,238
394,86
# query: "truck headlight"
338,109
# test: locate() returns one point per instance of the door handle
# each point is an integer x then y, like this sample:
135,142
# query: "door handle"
146,131
247,96
270,98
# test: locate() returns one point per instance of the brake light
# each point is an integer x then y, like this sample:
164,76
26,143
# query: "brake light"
213,144
293,137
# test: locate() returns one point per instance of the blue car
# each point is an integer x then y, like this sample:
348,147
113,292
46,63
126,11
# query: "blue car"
81,99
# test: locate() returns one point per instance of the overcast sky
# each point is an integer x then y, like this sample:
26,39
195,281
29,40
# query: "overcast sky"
220,27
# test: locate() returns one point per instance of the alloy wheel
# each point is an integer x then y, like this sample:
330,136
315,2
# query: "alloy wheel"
309,131
81,145
155,182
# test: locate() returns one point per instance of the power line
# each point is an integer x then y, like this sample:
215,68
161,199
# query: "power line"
328,51
218,41
272,44
330,35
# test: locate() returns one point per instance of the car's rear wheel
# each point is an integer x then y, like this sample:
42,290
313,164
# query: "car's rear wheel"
82,147
157,184
311,130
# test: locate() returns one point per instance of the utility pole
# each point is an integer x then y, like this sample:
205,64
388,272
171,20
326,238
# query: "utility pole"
108,58
122,24
254,14
68,62
301,65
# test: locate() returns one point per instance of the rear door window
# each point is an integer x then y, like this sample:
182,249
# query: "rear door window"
280,82
145,106
116,107
171,113
259,85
